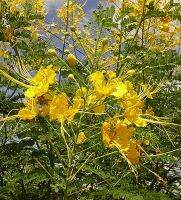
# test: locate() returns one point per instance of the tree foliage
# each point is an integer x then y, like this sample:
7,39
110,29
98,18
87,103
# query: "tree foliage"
90,105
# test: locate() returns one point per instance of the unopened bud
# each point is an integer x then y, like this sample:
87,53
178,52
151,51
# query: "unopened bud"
72,28
128,57
52,52
66,52
146,142
71,77
104,72
72,60
130,72
66,34
104,41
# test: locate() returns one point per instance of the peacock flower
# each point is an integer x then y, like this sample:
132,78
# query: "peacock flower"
60,109
36,91
119,136
30,111
103,83
90,100
41,82
121,90
73,9
27,114
107,135
133,152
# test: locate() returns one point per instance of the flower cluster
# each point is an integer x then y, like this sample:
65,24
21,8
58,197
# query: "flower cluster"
102,86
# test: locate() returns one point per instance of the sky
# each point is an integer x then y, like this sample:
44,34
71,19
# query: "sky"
52,6
90,3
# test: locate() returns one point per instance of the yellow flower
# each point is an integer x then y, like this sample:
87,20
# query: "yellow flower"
36,91
41,82
97,79
131,99
90,100
78,103
74,11
132,115
27,114
121,90
58,106
119,136
81,93
30,111
44,75
107,136
38,7
103,83
59,109
99,109
81,138
72,60
70,114
133,153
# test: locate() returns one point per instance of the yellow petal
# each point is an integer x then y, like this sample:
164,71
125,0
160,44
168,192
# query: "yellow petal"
27,114
121,90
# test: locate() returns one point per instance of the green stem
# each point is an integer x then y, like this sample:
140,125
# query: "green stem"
13,79
65,38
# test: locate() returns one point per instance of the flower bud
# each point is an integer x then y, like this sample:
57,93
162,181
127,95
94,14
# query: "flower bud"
52,52
72,60
66,52
146,142
72,28
71,77
66,34
130,72
104,41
